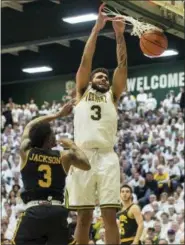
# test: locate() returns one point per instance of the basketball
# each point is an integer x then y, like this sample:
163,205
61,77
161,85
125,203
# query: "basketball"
153,43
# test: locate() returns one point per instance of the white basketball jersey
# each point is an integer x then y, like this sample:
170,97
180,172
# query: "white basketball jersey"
95,120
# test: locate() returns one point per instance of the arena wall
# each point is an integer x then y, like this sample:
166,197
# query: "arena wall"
156,78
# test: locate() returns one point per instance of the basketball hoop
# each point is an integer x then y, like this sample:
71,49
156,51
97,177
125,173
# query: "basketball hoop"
139,28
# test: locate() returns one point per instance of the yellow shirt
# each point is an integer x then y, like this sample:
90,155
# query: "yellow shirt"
160,177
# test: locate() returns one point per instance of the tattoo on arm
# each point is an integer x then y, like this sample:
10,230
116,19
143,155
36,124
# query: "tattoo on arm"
121,51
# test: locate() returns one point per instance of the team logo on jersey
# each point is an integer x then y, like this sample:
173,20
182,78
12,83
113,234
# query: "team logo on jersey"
96,98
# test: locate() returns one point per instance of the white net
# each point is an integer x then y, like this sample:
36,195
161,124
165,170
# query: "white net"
139,27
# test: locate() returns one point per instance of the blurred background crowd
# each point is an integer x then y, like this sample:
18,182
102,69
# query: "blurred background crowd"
151,150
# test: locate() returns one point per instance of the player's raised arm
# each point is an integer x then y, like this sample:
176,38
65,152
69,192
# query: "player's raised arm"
25,140
74,156
120,74
84,70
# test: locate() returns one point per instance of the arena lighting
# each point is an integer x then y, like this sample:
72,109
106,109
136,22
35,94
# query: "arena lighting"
169,52
80,18
37,69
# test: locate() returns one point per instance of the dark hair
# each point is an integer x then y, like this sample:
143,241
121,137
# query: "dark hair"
103,70
149,173
127,186
39,133
151,229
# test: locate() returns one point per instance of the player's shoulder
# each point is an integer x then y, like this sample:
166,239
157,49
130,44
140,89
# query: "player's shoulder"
81,94
52,152
135,207
55,152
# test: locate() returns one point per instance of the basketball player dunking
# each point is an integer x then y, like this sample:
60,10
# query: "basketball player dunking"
95,128
130,218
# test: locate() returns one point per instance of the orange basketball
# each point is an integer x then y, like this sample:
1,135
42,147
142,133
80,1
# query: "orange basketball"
153,43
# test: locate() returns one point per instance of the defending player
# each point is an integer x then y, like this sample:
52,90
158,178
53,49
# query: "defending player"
95,128
130,218
43,173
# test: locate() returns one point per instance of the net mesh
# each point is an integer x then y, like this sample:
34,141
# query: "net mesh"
139,27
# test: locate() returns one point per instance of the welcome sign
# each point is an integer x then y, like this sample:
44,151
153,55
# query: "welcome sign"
163,81
156,78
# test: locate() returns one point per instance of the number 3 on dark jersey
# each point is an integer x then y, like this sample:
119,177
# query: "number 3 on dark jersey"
46,181
96,112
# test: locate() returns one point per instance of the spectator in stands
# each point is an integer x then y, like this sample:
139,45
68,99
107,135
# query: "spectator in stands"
178,97
151,103
165,225
151,234
141,101
10,103
152,198
182,100
3,121
163,200
174,173
157,231
148,218
129,103
172,238
33,105
163,241
135,181
162,179
102,236
8,116
148,242
151,184
142,193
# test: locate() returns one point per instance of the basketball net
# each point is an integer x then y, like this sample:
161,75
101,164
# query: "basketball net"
139,27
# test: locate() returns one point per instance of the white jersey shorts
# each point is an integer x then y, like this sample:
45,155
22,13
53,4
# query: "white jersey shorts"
101,182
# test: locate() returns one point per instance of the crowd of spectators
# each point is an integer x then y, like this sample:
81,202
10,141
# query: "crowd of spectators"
151,150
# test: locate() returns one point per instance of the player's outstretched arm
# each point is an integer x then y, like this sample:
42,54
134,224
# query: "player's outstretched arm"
65,110
120,74
84,70
74,156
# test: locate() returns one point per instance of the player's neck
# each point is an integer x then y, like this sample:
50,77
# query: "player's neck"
46,147
127,204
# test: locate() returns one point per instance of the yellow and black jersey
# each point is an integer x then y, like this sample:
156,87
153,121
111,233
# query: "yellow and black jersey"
42,175
128,225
